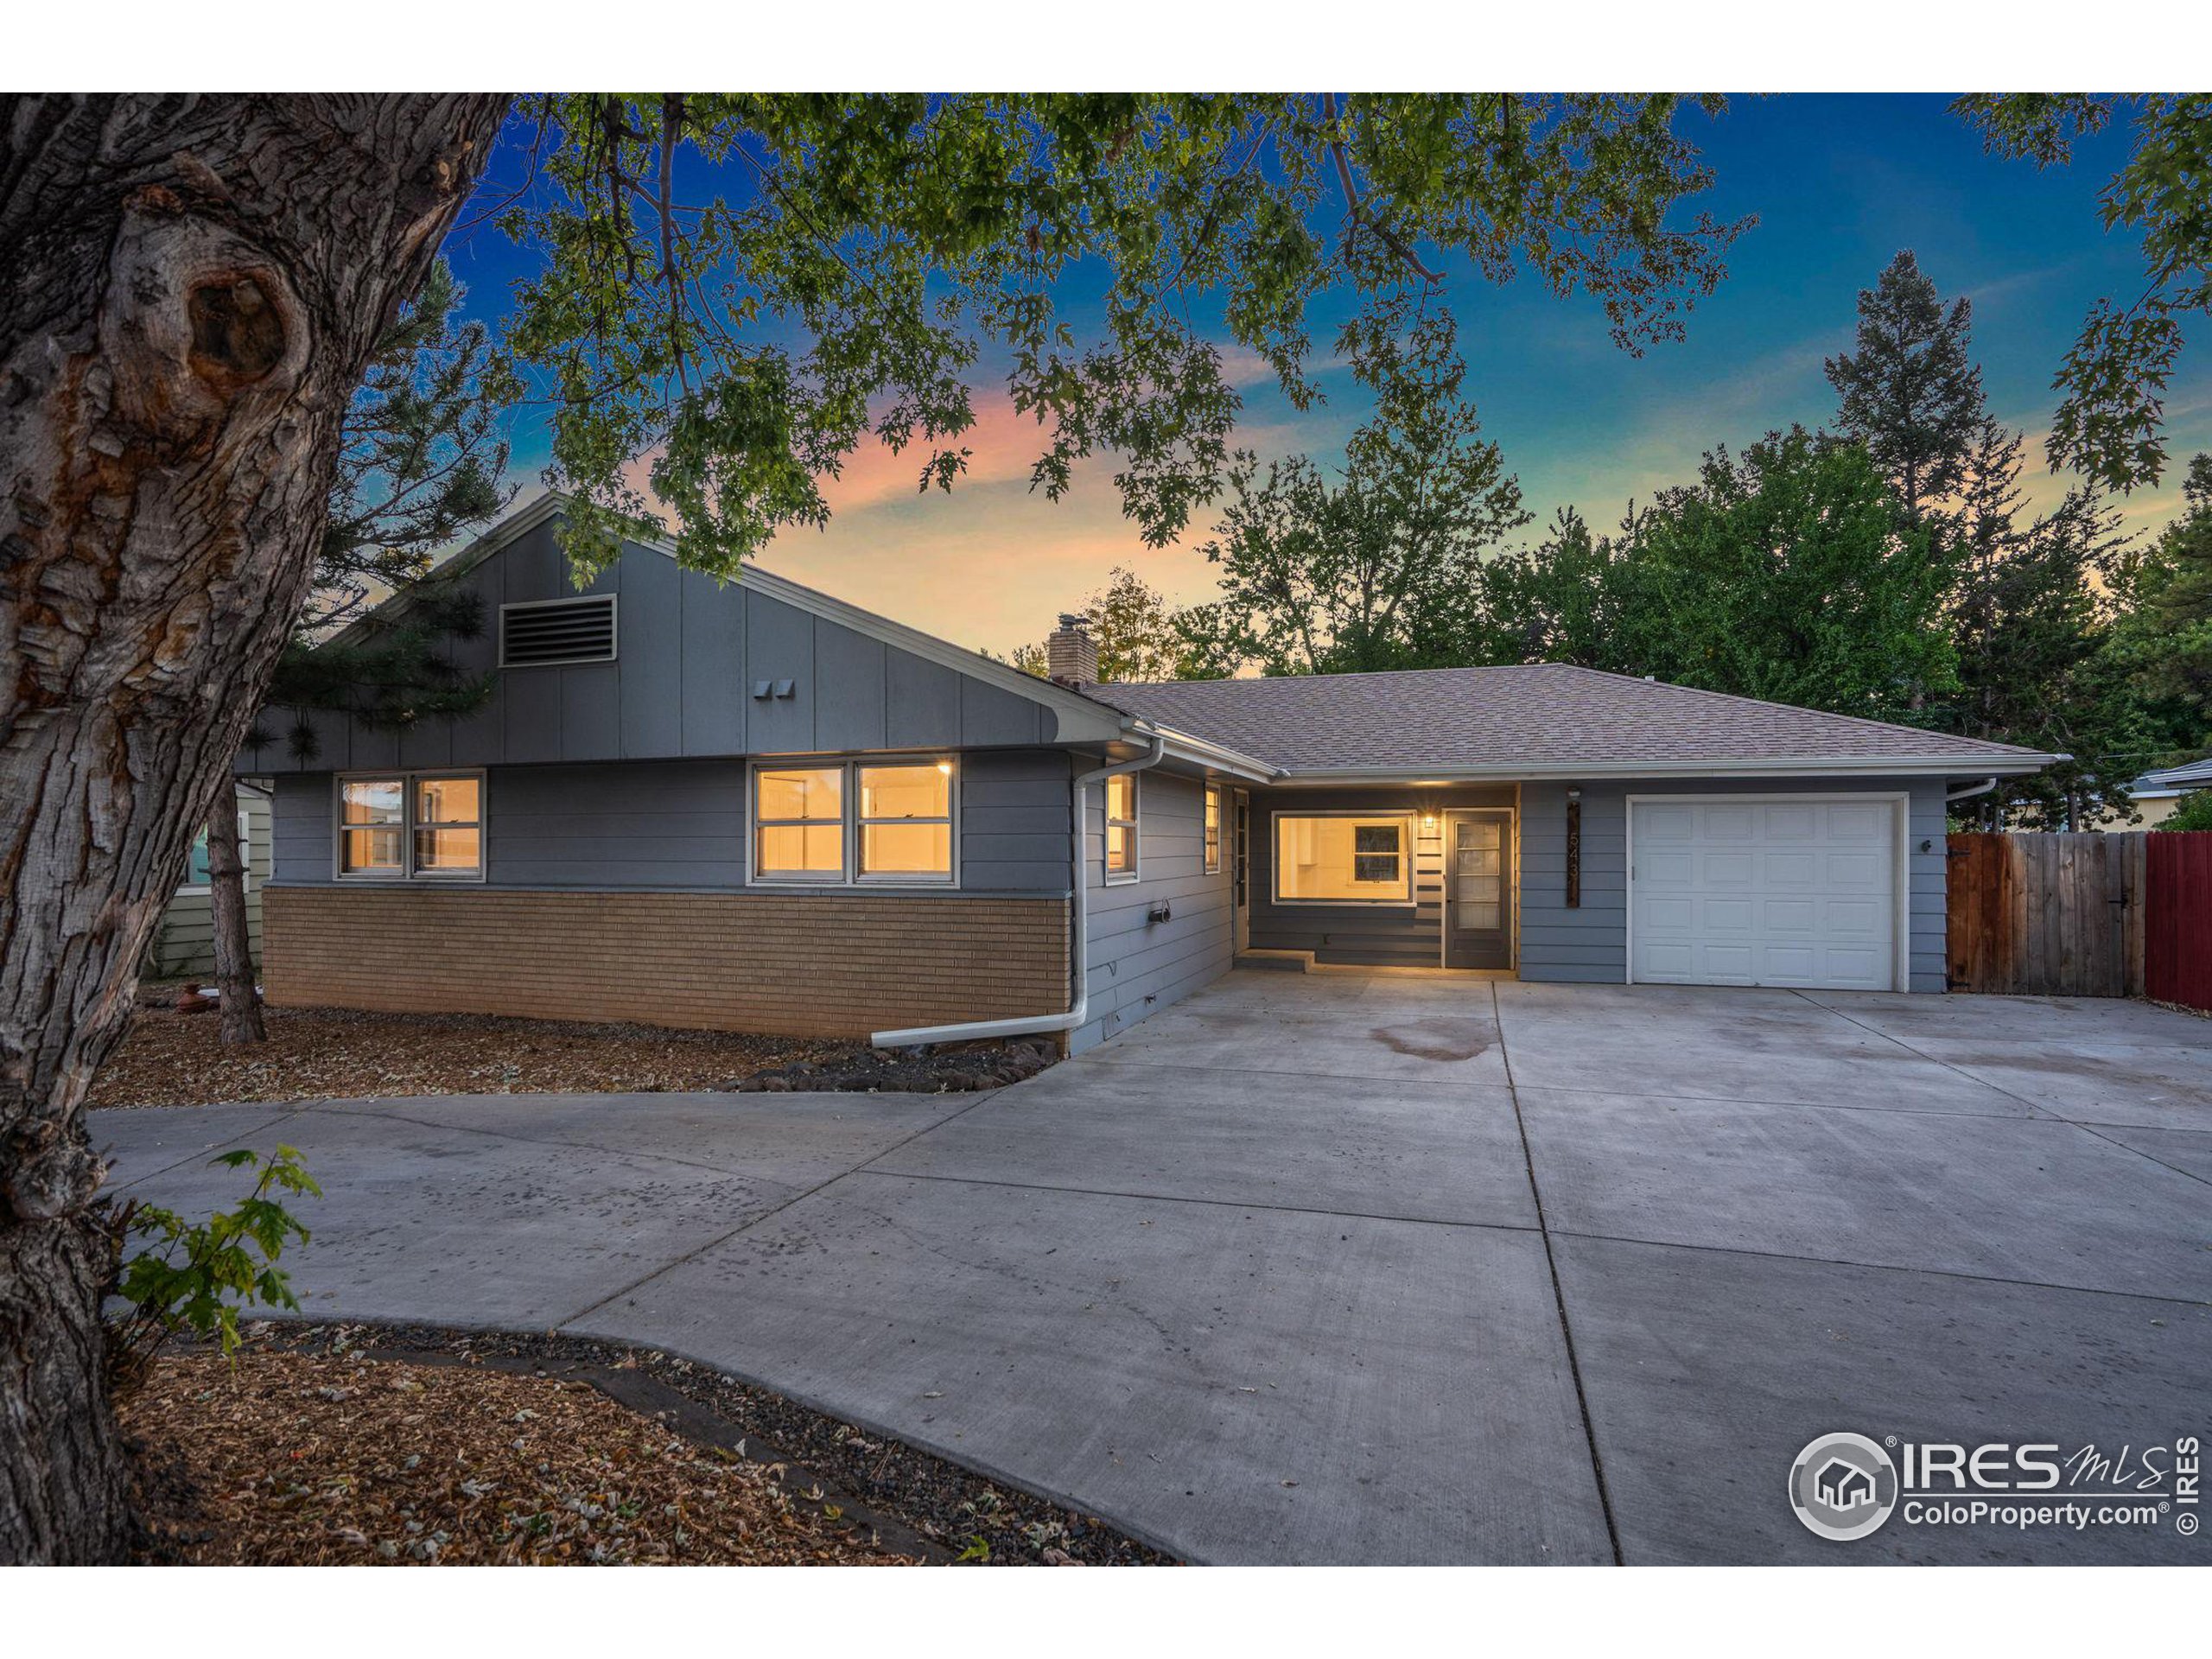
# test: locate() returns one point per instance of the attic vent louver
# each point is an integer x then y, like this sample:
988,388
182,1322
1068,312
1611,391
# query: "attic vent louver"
552,631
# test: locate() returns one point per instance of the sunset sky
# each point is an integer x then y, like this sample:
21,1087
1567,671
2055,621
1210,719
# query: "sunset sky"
1839,184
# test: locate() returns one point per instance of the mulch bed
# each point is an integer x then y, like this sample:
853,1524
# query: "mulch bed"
367,1443
168,1058
299,1459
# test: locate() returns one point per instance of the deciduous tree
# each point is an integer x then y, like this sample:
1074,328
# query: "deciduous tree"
2109,424
195,285
200,283
1364,570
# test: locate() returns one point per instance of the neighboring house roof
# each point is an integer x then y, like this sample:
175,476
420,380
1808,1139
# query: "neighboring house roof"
2169,781
1543,717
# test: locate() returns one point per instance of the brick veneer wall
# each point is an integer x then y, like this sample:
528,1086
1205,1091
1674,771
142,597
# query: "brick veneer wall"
827,964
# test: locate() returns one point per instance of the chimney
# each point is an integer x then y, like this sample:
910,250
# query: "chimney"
1070,654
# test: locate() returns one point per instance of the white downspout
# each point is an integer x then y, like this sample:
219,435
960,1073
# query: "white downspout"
1968,794
1029,1025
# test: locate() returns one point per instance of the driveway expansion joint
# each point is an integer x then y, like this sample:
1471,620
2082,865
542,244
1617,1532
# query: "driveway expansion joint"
1183,1198
668,1266
1559,1291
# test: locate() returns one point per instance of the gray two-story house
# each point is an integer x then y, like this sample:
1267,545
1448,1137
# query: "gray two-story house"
747,806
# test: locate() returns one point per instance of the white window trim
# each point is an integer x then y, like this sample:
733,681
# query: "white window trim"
1135,821
613,632
1210,858
407,873
848,803
1411,902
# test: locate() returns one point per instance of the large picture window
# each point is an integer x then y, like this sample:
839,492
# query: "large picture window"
888,821
411,825
1341,858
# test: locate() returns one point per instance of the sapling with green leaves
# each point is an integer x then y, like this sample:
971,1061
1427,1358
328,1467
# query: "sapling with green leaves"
187,1277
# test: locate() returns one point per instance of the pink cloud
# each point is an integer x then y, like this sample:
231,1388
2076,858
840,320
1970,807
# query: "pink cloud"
1002,444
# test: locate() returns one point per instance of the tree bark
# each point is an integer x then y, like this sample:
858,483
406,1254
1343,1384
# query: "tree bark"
192,287
233,942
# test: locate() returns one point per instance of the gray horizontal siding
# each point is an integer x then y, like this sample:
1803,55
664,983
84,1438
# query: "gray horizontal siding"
1136,966
1590,946
688,652
633,824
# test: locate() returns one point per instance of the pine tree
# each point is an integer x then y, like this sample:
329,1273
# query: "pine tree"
421,461
1912,392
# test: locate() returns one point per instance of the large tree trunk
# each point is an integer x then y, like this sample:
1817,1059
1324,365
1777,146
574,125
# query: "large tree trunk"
234,941
189,288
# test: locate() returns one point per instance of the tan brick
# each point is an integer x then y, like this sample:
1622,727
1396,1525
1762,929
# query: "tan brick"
827,964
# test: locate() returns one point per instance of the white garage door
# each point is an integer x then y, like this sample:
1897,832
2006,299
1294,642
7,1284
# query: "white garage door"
1774,891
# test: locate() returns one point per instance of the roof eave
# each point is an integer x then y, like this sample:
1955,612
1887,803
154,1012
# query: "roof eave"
1215,757
1948,765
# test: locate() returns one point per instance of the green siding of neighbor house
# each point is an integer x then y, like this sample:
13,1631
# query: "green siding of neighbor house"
184,944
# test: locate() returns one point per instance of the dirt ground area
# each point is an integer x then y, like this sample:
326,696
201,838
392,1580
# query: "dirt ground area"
169,1058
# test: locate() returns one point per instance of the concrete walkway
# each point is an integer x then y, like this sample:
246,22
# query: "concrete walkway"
1368,1269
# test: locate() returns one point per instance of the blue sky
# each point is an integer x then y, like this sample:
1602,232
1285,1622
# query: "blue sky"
1839,183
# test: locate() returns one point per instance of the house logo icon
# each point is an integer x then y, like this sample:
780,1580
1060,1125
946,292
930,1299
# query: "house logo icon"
1843,1486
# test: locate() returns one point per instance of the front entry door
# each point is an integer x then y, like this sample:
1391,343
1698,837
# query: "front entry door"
1479,890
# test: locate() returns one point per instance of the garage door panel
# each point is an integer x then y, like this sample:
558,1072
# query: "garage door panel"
1667,823
1784,870
1789,915
1853,918
1775,891
1724,964
1725,823
1729,915
1855,872
1728,869
1854,820
1789,962
1791,822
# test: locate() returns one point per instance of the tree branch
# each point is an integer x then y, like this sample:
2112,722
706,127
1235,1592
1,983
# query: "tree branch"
1384,233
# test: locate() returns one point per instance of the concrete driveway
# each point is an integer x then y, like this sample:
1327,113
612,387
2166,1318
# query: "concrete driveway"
1370,1268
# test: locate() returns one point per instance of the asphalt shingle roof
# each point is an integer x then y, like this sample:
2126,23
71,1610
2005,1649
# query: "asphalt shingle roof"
1539,714
2196,774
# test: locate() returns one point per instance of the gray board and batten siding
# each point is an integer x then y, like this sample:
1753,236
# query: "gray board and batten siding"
689,651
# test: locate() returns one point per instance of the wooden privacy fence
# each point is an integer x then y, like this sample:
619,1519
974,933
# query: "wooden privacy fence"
2049,915
2178,928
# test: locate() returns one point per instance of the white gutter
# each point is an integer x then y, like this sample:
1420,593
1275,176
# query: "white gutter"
1968,794
1029,1025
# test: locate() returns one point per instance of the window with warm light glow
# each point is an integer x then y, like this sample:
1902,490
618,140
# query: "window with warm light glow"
798,819
1211,834
448,826
886,821
426,825
907,821
1121,827
1343,859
